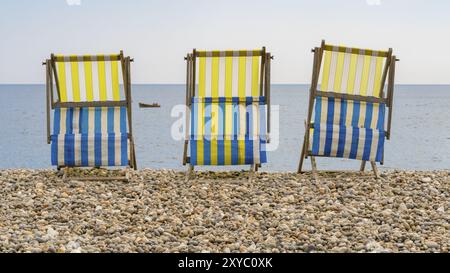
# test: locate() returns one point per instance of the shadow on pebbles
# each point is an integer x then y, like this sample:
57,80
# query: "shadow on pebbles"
158,211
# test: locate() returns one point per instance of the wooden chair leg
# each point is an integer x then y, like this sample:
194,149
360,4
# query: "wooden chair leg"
304,149
375,169
64,178
251,173
314,168
189,172
134,159
133,156
302,157
363,166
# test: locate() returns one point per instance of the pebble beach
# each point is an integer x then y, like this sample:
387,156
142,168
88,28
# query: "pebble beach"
158,211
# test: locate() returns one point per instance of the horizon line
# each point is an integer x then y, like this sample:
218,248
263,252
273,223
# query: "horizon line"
277,83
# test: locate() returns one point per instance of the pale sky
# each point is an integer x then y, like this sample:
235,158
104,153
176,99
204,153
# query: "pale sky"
158,33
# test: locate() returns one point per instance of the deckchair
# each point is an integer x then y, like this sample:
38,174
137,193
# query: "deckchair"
91,113
227,94
349,105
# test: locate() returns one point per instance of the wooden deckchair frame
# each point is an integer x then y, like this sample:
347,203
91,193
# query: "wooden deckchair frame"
51,103
191,59
388,73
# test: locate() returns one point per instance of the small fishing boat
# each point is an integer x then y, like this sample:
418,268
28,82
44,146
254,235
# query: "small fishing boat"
146,105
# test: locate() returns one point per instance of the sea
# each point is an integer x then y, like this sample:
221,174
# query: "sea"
420,129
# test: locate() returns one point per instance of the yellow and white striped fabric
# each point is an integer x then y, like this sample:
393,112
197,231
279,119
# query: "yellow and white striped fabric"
229,73
89,78
352,71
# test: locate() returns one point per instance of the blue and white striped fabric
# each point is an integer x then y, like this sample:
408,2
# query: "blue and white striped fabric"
228,131
348,129
90,137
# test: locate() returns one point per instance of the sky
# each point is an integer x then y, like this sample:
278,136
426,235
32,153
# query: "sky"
159,33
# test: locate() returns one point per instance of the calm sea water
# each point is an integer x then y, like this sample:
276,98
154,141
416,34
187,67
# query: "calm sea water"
420,136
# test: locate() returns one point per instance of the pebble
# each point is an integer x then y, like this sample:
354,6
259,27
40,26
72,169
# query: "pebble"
426,179
386,212
158,211
51,234
402,207
432,244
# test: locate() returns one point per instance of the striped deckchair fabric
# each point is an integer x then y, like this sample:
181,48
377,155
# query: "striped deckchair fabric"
91,121
228,110
90,137
229,73
89,78
228,132
348,104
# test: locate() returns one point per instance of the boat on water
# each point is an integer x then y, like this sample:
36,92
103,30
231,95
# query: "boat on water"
146,105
